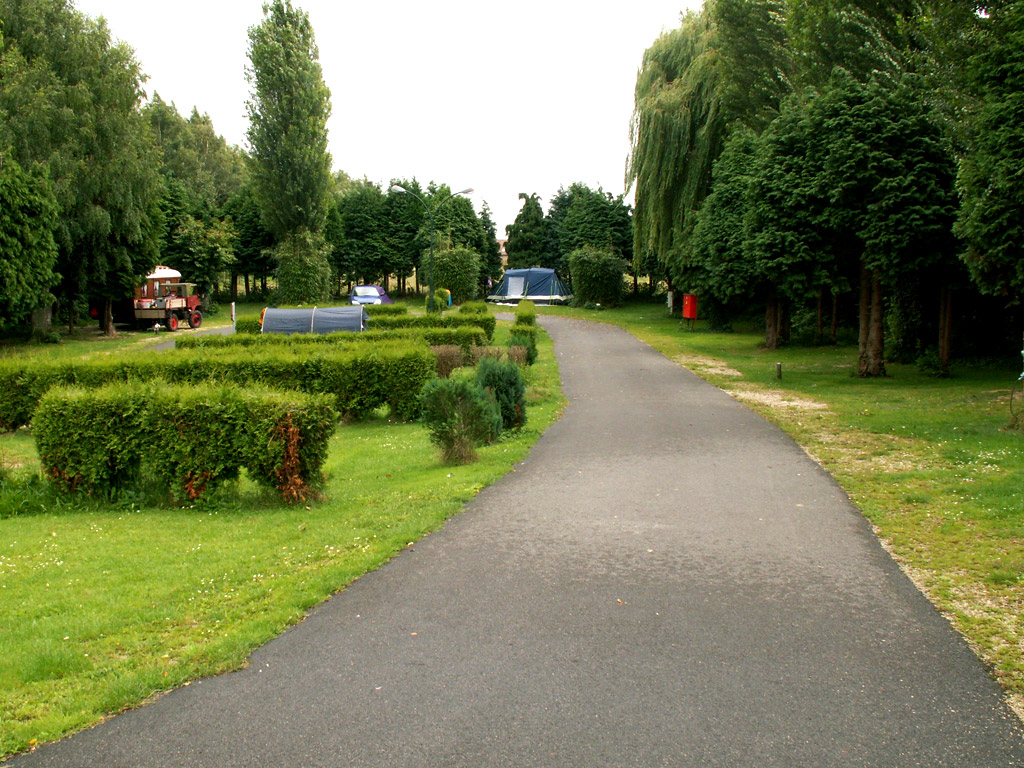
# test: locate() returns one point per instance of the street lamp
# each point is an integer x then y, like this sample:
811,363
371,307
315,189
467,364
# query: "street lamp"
398,188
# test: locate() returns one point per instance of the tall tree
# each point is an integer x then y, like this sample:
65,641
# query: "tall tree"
490,255
405,217
991,182
291,167
727,62
28,253
69,100
528,236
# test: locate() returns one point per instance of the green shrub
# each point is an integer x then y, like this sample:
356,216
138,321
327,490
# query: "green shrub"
524,336
247,325
596,277
504,381
442,297
184,440
526,313
461,416
374,310
474,308
456,269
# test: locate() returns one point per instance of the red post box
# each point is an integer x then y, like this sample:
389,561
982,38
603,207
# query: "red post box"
689,306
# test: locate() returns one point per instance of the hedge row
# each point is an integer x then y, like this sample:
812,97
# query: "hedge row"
455,320
376,310
248,325
526,313
360,378
465,337
182,440
524,336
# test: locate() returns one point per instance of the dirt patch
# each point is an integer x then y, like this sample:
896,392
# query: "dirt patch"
772,399
707,365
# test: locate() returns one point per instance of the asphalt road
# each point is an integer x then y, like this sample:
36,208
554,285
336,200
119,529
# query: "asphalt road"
667,580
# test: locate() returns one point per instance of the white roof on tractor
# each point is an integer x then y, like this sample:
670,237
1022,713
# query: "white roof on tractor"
162,273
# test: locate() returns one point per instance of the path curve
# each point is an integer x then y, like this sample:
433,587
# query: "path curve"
667,580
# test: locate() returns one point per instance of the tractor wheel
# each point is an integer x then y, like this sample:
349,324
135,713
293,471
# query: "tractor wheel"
172,322
195,319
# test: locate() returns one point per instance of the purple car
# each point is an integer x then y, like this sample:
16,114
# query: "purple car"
369,294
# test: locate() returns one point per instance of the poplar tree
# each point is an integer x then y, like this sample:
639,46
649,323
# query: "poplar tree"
291,167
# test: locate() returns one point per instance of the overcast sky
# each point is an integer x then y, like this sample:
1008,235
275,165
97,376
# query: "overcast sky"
510,97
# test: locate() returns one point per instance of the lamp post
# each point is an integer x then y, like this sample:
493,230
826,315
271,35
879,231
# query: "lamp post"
398,188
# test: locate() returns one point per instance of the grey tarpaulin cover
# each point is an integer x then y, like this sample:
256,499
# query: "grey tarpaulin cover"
315,320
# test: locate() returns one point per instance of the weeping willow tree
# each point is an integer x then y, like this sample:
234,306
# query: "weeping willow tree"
725,63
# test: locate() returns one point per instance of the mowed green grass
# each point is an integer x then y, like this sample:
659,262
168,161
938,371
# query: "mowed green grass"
105,605
928,461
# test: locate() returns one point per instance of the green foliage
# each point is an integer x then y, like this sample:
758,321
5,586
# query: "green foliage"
288,112
490,252
454,320
473,308
360,378
245,326
580,216
69,97
438,303
596,276
466,336
252,243
524,336
379,310
528,236
28,253
457,270
990,181
119,437
504,381
303,274
461,416
526,313
360,246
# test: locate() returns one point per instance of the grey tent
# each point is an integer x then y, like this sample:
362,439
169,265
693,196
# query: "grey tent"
315,320
536,284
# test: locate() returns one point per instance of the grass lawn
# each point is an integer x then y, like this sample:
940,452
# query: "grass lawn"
107,604
928,461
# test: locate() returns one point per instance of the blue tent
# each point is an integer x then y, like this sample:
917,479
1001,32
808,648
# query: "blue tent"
536,284
315,320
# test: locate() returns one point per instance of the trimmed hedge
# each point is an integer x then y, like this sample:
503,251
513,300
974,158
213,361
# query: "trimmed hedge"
526,313
464,336
376,310
248,325
184,440
473,308
524,336
454,320
360,378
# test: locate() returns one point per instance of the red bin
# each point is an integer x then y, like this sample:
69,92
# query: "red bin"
689,306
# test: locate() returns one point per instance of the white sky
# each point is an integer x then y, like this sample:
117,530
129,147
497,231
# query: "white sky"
521,96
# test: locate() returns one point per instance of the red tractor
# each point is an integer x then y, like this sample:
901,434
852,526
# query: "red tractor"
165,299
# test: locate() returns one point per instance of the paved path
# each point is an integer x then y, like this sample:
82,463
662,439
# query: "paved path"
667,580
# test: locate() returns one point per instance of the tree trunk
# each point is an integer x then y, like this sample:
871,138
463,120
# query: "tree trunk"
42,320
820,337
785,321
771,321
872,326
107,318
945,328
835,318
234,286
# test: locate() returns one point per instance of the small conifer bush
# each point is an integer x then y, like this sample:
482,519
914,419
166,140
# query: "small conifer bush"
461,417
